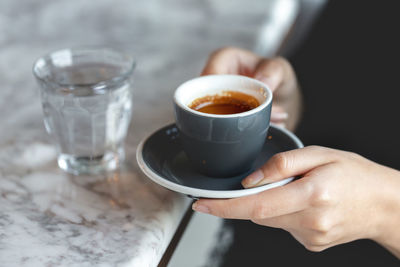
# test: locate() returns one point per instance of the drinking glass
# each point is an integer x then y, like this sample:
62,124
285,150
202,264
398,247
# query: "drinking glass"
86,95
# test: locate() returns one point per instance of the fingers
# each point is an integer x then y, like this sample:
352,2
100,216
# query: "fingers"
230,60
271,72
270,203
289,164
302,225
287,221
313,241
278,115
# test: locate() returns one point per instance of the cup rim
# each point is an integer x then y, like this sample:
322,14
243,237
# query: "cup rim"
96,86
263,105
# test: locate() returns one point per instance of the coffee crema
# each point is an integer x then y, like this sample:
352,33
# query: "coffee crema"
227,102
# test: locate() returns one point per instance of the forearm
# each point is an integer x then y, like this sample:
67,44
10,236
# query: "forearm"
389,228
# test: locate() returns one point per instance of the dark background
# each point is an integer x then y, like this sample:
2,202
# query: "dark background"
348,68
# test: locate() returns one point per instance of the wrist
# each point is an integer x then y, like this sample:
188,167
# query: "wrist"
387,232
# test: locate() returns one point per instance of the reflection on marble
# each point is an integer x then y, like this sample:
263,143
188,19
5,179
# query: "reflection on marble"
49,218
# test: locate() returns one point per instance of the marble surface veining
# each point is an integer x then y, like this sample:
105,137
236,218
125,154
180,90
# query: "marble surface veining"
50,218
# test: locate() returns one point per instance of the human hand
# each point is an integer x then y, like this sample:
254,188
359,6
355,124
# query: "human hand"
340,197
277,73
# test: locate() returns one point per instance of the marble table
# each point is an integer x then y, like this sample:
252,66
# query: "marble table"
50,218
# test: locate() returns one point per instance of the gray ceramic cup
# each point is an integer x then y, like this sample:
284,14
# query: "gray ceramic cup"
222,145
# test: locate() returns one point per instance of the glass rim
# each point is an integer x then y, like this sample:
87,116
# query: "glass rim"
98,85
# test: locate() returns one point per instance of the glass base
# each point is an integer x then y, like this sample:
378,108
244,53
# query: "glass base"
91,165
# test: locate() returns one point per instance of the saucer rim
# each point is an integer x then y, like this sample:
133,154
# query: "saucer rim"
206,193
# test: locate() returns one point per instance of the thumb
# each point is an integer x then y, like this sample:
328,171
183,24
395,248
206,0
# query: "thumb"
271,72
291,163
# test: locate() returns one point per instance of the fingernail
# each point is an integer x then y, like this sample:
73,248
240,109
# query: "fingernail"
200,208
253,178
279,116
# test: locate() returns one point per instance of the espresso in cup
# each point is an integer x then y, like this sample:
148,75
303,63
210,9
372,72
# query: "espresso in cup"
227,102
223,122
